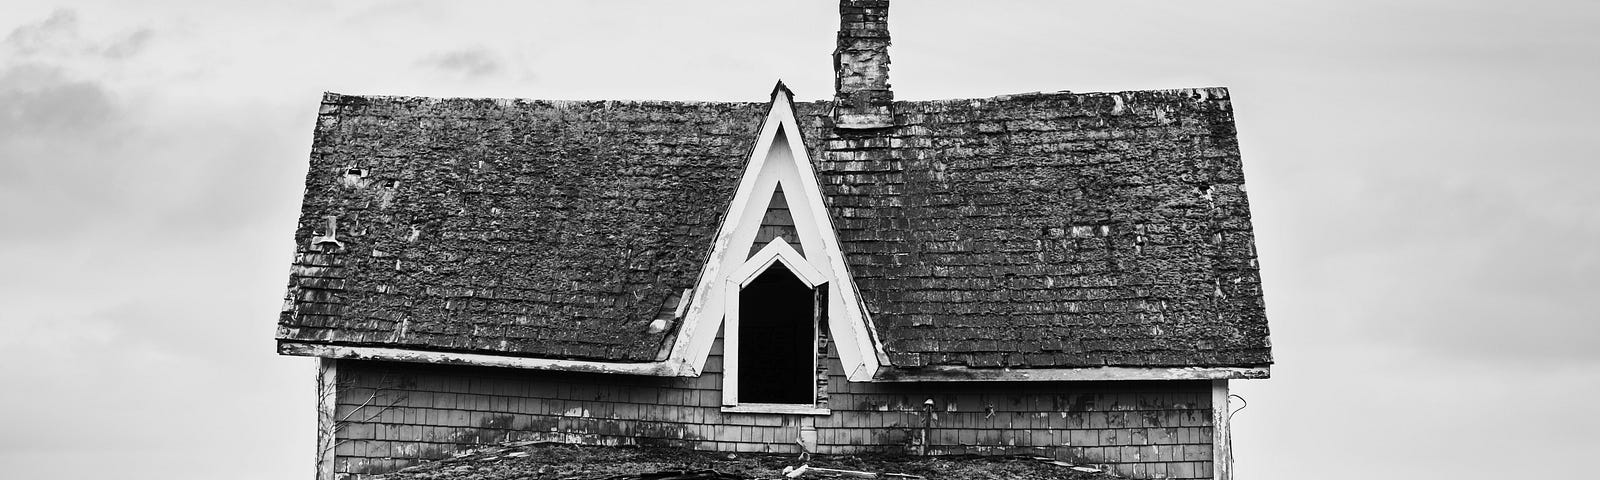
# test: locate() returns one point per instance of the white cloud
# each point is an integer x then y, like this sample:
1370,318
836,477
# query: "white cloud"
467,62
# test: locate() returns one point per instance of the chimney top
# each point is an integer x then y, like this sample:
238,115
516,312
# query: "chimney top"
862,98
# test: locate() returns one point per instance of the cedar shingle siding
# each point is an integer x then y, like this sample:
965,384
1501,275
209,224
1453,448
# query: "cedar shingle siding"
403,414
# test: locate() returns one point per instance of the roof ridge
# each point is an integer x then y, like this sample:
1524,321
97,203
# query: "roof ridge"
339,98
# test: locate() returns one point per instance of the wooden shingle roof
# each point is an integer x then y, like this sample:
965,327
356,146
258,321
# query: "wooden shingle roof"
1052,230
1031,231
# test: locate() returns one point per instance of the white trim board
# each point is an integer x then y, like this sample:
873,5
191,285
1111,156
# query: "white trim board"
671,368
779,408
778,251
1221,432
665,369
327,416
964,374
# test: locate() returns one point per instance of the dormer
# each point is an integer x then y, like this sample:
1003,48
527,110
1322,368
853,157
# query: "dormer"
776,281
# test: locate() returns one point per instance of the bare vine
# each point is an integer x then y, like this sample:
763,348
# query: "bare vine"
330,390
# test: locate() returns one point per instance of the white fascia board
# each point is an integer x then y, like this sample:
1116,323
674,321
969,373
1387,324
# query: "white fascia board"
663,369
964,374
773,163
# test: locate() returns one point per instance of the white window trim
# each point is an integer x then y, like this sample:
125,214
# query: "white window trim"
781,408
777,251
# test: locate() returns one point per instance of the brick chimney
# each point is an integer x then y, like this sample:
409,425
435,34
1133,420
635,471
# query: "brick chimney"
862,98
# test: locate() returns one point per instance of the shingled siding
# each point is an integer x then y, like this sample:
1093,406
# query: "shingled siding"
402,414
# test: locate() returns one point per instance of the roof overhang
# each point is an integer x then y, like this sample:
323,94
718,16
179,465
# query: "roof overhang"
668,368
672,368
964,374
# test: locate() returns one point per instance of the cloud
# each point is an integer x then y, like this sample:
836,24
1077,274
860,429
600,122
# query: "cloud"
127,45
55,33
58,151
36,98
85,152
469,62
58,36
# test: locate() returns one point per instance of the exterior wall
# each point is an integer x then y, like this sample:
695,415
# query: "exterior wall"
392,415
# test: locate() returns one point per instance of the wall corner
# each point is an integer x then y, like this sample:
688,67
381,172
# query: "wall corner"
327,423
1221,432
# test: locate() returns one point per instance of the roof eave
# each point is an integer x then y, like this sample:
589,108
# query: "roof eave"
965,374
671,367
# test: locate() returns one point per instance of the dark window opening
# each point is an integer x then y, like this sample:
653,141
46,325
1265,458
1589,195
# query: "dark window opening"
777,337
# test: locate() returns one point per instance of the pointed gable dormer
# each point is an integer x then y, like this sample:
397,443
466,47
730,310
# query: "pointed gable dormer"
776,266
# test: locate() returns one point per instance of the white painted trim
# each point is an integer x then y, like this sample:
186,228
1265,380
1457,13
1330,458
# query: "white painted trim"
1221,432
774,163
678,368
731,324
664,369
780,408
960,374
730,346
683,303
327,420
778,250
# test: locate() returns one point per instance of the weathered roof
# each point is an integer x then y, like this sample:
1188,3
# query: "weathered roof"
529,228
1039,230
1052,230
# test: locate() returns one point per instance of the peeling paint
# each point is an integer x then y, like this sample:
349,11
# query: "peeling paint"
576,412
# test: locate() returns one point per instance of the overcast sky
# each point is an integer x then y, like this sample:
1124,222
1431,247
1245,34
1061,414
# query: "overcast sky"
1422,174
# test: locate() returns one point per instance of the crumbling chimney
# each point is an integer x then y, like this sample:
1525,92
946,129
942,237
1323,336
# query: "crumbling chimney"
862,98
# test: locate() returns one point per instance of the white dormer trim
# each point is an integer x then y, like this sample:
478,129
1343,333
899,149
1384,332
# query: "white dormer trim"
778,251
779,159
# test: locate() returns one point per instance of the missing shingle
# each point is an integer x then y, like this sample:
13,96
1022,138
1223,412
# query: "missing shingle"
354,177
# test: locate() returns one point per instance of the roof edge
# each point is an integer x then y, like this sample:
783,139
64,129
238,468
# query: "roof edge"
669,368
1198,93
964,374
335,98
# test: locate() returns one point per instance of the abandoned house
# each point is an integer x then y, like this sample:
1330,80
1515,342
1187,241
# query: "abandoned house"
1062,274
